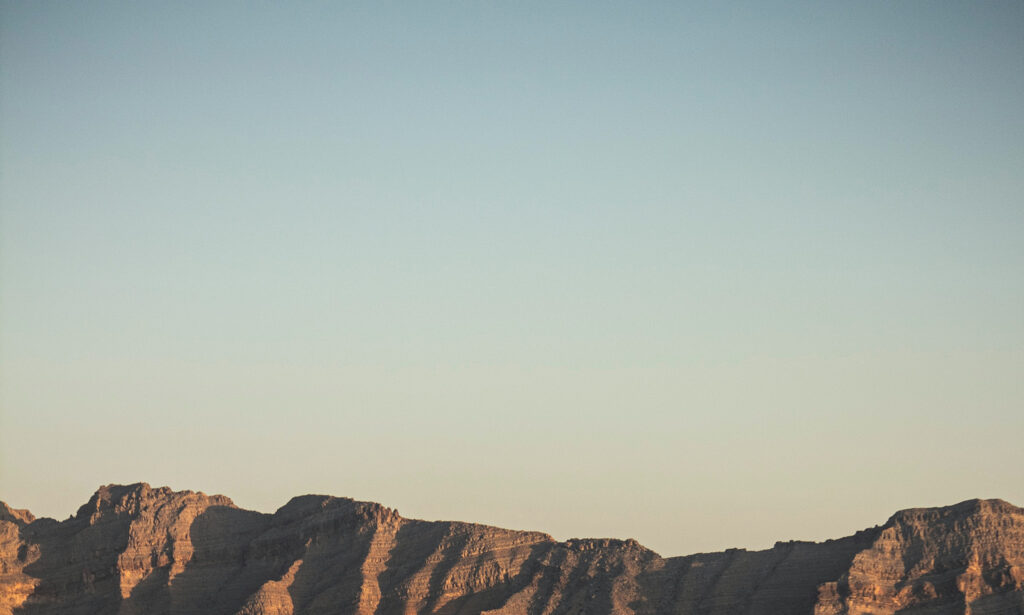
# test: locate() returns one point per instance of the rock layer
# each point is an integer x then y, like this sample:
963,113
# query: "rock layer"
138,550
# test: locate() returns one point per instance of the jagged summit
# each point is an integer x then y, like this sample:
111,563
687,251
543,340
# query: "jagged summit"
14,515
134,549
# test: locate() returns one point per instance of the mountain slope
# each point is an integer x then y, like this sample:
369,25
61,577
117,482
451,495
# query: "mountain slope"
134,549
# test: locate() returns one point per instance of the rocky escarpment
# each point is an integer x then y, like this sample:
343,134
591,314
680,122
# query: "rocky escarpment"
134,549
967,558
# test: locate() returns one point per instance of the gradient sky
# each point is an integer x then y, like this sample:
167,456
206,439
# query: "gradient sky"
703,274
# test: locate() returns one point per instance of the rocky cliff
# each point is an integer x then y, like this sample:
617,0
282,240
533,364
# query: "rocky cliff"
138,550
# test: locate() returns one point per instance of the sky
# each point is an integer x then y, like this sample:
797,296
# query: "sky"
706,275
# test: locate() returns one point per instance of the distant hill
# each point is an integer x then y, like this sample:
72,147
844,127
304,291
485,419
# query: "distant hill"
134,550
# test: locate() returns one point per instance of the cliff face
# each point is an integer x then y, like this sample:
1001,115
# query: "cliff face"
967,558
135,550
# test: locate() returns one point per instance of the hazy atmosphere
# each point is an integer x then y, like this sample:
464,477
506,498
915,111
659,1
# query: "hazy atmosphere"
698,274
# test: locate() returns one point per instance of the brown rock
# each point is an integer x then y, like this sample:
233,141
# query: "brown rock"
134,549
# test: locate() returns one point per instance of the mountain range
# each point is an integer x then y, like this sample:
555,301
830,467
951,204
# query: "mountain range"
134,550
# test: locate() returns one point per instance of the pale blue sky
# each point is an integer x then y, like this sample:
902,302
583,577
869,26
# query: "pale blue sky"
702,275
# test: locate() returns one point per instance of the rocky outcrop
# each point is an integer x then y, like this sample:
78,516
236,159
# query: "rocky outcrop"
138,550
967,558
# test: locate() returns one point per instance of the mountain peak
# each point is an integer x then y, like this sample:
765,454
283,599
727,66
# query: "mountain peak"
956,512
15,515
130,500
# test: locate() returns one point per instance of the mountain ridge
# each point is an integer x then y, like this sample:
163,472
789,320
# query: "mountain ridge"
138,549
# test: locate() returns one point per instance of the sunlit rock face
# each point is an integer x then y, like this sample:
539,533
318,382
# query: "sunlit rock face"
138,550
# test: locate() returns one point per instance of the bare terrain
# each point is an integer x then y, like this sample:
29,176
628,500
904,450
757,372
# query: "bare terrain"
133,550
